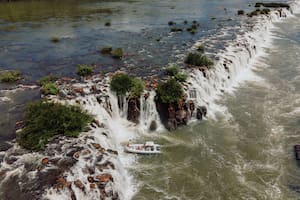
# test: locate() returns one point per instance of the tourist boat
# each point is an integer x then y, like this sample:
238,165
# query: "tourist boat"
148,148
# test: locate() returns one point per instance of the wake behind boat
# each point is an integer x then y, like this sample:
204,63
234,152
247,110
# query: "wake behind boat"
148,148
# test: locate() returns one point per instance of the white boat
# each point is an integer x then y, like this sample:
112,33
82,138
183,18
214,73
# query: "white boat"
148,148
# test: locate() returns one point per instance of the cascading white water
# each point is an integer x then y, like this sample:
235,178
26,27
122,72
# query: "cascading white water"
233,67
234,64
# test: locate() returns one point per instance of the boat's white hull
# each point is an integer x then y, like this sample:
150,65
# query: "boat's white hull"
139,149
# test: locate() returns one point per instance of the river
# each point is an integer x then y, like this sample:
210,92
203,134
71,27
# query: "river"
243,150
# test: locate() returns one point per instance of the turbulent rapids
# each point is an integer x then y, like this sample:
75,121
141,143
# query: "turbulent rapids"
94,165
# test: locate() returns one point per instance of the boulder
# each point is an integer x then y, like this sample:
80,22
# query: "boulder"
201,111
133,112
153,125
172,124
45,161
79,184
104,178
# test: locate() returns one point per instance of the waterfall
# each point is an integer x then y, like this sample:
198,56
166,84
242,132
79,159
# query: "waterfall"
234,65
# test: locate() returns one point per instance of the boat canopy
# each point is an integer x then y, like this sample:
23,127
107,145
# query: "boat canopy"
149,143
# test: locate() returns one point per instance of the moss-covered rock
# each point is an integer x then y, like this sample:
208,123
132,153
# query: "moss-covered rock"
9,76
50,89
117,53
84,70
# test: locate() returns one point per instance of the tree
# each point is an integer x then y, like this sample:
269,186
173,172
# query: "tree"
121,83
170,91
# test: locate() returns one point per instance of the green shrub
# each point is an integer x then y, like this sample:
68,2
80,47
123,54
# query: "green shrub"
240,12
265,11
10,76
172,70
198,59
47,79
45,120
137,88
106,50
170,91
55,39
171,23
121,83
84,70
201,48
181,77
117,53
50,89
176,29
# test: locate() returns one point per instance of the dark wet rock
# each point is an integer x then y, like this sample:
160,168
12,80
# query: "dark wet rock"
99,100
90,179
73,196
172,124
297,151
96,145
133,112
201,112
79,184
153,126
5,146
10,159
104,178
45,161
92,186
112,151
273,5
71,152
181,117
105,165
66,163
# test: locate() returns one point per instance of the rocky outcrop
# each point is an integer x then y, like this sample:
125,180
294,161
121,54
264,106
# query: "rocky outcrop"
177,114
273,5
133,112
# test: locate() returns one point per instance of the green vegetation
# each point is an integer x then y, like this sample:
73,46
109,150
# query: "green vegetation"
8,28
47,79
174,72
117,53
193,28
175,29
45,120
107,24
106,50
201,48
9,76
198,59
84,70
273,5
121,83
171,23
258,11
20,11
55,40
137,88
240,12
50,89
170,91
181,77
